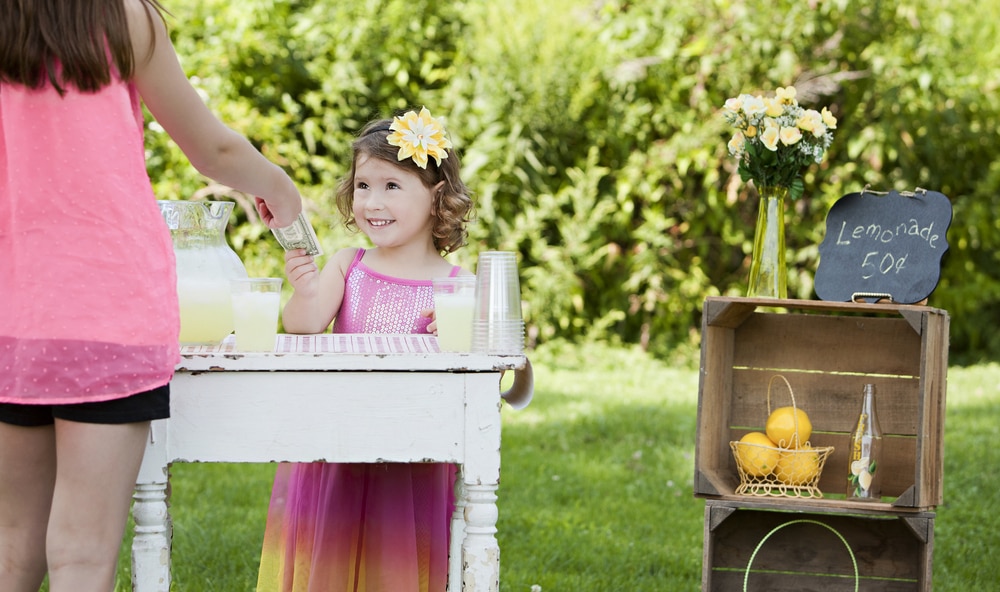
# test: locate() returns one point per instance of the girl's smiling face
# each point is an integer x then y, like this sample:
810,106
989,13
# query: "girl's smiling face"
392,206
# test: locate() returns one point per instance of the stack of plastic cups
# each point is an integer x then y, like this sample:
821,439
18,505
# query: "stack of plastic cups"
497,325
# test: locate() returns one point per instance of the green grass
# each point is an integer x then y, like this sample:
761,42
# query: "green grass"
596,486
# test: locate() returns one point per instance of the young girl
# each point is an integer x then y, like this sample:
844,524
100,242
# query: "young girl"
89,331
373,527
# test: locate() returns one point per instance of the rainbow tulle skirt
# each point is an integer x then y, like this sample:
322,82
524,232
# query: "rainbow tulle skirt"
358,528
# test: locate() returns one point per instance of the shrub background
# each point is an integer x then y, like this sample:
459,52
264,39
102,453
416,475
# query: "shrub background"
590,134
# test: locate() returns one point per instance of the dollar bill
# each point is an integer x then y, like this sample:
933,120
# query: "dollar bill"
299,235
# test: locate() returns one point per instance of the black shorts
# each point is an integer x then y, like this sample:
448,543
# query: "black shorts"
145,406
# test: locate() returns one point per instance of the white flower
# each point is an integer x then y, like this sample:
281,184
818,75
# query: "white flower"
736,143
753,106
734,104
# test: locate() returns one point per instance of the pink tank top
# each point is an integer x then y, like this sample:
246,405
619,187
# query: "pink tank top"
87,275
377,303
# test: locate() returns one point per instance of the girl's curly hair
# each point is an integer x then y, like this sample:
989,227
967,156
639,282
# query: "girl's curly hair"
452,204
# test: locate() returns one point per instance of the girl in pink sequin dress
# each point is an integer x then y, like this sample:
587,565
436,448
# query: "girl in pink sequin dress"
89,328
380,527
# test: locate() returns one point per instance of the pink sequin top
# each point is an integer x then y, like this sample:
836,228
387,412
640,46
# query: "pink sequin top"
87,274
377,303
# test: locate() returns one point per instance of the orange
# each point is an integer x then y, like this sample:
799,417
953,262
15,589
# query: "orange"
756,454
797,467
780,427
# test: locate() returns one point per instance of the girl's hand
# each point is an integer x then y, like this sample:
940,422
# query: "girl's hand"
432,327
301,269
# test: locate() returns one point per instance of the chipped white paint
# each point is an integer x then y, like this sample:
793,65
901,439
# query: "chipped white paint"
336,407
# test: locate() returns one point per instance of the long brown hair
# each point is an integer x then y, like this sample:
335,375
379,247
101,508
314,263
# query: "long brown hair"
67,42
453,205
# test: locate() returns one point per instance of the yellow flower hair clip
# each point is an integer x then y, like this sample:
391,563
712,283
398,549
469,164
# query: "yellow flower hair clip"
419,136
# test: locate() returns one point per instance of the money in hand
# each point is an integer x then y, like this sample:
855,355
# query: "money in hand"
299,235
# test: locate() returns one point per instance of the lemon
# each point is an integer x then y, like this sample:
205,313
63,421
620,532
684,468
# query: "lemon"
780,427
756,454
797,467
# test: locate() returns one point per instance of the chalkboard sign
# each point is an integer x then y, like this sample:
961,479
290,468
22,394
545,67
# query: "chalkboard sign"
883,244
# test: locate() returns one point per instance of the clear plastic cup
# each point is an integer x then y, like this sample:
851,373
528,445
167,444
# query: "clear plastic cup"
494,337
256,304
454,301
497,327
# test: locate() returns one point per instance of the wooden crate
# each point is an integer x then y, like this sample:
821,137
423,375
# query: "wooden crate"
803,550
827,351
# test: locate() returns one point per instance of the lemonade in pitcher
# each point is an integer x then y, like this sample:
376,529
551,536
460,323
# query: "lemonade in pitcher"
205,264
206,310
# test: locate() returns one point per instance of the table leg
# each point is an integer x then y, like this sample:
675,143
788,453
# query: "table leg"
457,536
153,531
151,543
480,551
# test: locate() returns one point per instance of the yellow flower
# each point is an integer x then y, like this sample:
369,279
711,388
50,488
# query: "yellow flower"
770,138
419,136
812,121
809,120
786,95
789,135
751,131
774,107
828,119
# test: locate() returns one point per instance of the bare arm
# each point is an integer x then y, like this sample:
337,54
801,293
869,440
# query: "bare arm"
213,148
317,295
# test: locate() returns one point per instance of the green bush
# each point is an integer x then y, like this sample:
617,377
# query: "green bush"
591,137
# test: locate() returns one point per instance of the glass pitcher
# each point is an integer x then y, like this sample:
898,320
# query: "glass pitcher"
205,264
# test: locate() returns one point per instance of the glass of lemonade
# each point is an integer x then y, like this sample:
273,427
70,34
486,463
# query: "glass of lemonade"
256,303
454,301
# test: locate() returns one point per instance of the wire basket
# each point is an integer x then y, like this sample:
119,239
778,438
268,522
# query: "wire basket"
779,472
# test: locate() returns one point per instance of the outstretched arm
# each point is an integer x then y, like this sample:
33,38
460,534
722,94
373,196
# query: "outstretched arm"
213,148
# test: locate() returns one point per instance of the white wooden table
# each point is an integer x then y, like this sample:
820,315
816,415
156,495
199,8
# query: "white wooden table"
335,398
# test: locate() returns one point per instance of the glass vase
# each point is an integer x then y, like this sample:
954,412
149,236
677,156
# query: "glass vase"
768,272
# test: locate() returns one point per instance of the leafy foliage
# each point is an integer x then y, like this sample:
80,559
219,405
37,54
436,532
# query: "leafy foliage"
591,135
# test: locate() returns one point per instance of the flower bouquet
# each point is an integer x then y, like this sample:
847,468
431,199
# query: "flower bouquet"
775,141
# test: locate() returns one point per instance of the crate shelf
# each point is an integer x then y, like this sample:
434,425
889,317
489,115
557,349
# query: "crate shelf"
827,351
814,547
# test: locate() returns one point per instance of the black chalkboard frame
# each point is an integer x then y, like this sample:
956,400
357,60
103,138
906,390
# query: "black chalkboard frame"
883,246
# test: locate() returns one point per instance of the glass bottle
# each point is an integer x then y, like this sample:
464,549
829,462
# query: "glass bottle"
864,481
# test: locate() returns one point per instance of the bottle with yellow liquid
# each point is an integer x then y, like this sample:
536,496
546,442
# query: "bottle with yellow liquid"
864,481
